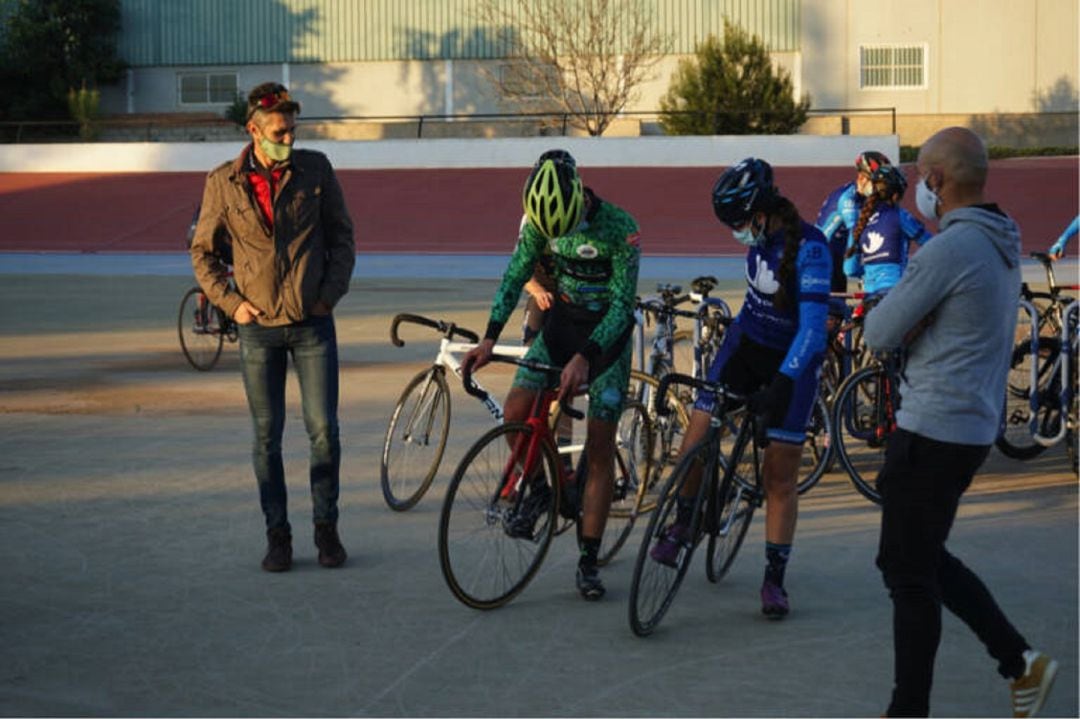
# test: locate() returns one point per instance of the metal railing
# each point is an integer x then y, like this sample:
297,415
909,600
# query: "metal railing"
149,128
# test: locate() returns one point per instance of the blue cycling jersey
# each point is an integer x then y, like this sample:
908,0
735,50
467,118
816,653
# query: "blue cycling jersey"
883,247
800,327
835,219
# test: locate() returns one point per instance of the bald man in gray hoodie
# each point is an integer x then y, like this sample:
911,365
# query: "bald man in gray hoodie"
952,315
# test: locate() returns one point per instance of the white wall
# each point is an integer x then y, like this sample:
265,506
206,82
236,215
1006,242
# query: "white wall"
985,56
785,150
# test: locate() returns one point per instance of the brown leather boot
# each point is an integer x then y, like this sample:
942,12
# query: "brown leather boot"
331,553
278,550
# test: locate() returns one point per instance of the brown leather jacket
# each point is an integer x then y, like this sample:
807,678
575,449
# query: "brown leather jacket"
309,255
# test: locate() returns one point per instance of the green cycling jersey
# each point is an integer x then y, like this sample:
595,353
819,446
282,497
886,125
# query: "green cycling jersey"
595,270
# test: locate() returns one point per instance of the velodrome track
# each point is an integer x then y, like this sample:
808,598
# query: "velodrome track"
468,210
130,533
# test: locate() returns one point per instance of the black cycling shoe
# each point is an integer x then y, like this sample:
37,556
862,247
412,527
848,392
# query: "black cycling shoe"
522,525
588,583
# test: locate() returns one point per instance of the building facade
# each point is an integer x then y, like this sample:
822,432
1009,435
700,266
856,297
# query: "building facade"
1006,68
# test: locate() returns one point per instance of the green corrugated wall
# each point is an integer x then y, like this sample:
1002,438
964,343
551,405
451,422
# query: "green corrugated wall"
234,32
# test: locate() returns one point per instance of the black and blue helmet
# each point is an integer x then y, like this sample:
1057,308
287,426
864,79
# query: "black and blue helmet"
742,191
889,182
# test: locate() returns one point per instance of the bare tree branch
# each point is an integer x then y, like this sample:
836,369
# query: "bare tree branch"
584,58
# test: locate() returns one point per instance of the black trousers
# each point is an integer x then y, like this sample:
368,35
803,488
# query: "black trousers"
921,485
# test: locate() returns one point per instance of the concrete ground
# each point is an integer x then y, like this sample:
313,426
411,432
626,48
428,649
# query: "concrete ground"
130,538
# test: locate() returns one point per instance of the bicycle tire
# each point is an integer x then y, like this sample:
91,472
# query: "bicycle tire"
1015,439
682,352
667,432
654,585
860,451
199,325
737,497
817,456
632,450
484,566
422,414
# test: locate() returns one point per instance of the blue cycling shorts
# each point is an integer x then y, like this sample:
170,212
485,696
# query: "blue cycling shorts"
745,366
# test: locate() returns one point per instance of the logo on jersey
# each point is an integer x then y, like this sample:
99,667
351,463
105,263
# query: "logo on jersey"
764,281
873,242
587,252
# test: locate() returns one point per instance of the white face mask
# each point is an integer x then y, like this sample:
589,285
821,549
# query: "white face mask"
747,236
926,200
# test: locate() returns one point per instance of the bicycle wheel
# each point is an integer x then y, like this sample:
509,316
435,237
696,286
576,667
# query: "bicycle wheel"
737,498
1015,439
495,527
667,432
862,419
682,352
415,439
199,327
817,453
632,451
653,587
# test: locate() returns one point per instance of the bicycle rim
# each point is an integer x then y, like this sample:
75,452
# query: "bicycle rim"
737,497
415,439
484,566
654,585
667,432
817,452
632,452
199,327
857,432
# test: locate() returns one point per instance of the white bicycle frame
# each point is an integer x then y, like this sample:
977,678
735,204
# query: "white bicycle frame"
447,358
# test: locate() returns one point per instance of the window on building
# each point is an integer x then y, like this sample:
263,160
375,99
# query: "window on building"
892,66
203,88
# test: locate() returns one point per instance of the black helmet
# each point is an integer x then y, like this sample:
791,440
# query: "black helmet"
742,191
889,182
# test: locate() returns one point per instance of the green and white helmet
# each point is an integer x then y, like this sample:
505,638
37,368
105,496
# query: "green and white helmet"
553,196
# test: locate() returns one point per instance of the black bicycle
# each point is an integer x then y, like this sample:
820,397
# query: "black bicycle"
726,466
203,328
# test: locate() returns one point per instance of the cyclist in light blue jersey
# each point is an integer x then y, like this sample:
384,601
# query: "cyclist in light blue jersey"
773,352
1057,250
840,211
879,250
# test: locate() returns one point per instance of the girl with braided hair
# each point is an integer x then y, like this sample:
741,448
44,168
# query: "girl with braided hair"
878,249
772,352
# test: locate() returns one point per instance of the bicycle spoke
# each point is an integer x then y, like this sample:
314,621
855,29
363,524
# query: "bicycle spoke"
415,440
491,546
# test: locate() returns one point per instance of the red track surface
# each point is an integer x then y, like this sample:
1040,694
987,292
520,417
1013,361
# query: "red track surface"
467,211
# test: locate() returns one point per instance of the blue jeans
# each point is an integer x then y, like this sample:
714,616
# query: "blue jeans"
263,356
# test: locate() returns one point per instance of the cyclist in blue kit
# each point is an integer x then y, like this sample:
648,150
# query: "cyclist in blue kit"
879,249
772,352
839,214
840,211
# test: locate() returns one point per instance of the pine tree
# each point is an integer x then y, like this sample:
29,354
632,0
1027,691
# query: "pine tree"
731,88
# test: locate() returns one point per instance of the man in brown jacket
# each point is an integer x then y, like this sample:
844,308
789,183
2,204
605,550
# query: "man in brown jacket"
282,215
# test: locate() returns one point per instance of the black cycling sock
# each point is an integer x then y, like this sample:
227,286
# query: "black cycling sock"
776,558
590,549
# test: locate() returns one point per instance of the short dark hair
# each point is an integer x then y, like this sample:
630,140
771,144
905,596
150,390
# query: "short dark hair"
270,97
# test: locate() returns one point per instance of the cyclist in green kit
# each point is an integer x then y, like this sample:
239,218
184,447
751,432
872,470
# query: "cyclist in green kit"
592,250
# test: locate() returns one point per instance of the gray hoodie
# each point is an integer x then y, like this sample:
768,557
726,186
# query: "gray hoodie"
966,281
